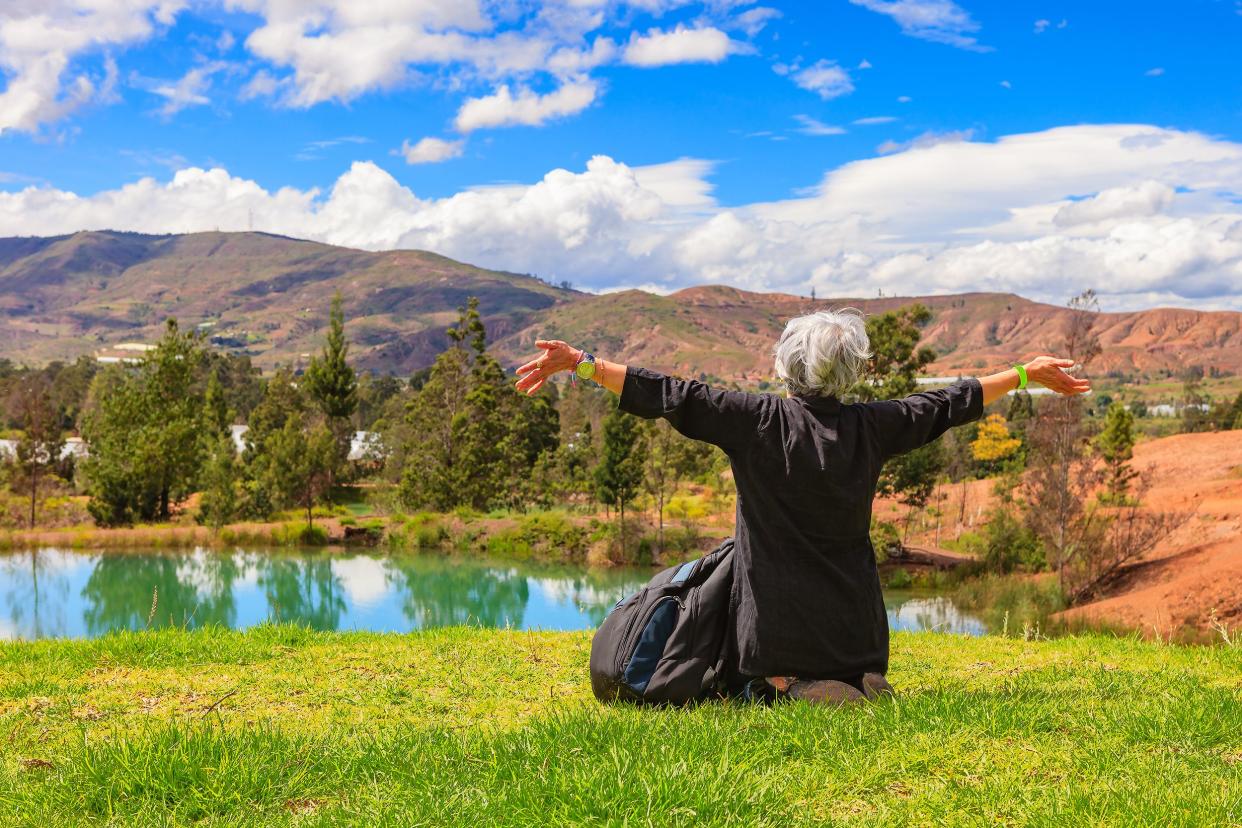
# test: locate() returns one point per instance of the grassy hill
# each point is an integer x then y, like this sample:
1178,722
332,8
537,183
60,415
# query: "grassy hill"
282,726
268,295
265,294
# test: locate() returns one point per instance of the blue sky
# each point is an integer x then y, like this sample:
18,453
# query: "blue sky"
727,134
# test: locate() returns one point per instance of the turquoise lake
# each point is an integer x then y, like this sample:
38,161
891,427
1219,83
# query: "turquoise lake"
55,593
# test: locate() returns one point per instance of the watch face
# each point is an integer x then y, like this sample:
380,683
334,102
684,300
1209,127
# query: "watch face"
586,369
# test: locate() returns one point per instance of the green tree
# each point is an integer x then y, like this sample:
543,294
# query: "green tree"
620,470
667,458
329,379
216,415
300,465
1115,446
219,502
144,430
897,360
38,450
281,399
426,454
332,384
468,437
1194,398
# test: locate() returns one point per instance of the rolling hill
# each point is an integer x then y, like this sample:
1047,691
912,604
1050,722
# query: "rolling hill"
264,294
269,295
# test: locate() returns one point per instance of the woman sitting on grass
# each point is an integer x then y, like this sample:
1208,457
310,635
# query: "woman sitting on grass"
809,619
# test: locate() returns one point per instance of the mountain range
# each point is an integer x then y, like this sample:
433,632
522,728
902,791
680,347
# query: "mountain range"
269,295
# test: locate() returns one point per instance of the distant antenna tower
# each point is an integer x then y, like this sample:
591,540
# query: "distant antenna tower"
812,293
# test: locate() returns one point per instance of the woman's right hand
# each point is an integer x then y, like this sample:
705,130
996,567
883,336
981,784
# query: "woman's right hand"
556,356
1052,373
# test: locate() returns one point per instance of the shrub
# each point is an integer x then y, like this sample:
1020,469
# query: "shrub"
1010,544
544,535
900,579
885,539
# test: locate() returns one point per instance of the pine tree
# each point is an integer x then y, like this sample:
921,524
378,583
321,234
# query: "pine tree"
219,501
329,379
427,438
38,450
215,406
469,438
1115,446
144,430
332,384
620,469
300,463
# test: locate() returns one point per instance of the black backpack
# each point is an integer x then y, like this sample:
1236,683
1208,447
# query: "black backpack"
666,643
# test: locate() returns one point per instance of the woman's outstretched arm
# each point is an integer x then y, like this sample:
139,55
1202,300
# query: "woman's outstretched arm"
1049,372
724,418
560,356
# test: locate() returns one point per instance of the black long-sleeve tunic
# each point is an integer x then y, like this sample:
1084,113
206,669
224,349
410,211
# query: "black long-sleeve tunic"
806,593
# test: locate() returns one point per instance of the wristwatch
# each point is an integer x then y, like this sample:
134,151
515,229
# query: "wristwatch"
585,369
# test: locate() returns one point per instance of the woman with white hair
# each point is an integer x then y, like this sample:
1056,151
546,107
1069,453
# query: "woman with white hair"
809,619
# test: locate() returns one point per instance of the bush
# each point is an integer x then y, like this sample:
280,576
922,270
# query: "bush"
543,535
297,533
885,539
899,579
1010,544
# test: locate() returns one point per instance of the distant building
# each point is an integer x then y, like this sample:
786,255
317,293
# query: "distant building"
364,446
130,353
74,447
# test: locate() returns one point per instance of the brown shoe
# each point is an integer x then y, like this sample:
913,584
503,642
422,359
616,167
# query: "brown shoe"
824,691
875,685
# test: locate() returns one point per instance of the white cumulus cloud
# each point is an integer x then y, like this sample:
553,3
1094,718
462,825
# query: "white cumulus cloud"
526,108
680,45
1142,213
825,78
431,150
39,41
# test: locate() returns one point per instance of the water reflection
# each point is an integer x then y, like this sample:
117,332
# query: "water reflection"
909,610
67,593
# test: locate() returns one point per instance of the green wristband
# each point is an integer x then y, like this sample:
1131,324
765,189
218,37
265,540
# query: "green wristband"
1021,369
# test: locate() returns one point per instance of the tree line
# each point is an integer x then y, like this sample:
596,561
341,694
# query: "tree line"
457,435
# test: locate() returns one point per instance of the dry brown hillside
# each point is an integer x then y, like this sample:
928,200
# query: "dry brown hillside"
727,332
268,296
1193,580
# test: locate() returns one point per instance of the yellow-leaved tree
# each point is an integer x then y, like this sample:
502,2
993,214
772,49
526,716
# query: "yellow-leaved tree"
994,443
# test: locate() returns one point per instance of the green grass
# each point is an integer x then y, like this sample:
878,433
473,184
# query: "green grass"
281,726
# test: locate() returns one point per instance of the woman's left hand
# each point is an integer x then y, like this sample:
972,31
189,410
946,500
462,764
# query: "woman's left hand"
556,356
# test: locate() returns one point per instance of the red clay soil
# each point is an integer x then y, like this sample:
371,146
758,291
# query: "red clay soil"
1193,580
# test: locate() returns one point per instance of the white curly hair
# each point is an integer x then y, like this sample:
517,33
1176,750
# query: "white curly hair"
823,353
